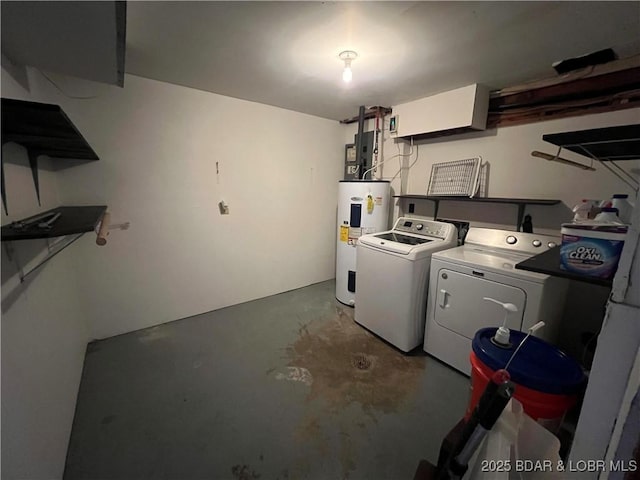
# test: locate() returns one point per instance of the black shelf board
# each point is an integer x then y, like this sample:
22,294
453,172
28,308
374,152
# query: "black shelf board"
517,201
71,221
43,129
604,144
549,263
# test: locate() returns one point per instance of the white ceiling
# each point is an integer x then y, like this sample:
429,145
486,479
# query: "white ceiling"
286,53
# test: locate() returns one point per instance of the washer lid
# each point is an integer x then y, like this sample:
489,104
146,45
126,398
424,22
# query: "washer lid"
396,242
501,262
402,238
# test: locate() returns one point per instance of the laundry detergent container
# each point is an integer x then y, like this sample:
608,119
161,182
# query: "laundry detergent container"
548,382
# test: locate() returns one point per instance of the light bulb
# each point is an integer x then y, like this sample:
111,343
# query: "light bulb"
347,56
347,74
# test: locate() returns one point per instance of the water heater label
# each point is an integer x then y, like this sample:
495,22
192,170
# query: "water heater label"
344,233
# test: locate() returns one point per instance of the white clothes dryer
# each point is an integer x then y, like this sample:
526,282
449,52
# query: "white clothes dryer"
393,278
485,267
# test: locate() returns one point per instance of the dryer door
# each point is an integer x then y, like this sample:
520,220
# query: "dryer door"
459,306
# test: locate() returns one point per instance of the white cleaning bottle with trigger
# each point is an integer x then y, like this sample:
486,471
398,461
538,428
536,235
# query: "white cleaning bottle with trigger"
502,334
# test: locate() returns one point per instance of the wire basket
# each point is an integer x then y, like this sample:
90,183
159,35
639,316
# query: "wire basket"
483,180
457,178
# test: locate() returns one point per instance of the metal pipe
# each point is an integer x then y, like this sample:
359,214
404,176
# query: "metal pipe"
359,140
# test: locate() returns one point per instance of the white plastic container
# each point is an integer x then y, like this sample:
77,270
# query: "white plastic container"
592,249
608,215
582,211
621,202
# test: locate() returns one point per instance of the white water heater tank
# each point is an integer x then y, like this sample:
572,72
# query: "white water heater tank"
363,207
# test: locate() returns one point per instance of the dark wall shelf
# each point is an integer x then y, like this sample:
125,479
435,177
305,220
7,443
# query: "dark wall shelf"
43,129
72,220
549,263
520,202
604,144
72,223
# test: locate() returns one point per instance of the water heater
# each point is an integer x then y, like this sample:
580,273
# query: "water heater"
363,207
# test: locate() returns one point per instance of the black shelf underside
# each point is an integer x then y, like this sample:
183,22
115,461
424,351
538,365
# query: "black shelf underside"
604,144
43,129
71,221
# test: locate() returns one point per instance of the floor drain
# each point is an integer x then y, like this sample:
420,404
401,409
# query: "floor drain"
361,362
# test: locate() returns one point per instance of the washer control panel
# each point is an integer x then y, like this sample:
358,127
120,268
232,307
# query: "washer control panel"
419,226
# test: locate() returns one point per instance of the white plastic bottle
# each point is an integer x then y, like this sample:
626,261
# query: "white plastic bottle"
608,215
582,210
621,202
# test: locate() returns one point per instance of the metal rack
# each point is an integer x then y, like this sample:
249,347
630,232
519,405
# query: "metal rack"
456,178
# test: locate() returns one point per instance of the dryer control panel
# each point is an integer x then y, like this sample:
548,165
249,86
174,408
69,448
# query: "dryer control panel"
428,228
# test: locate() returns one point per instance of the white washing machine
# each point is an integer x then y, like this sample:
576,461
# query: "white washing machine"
393,278
485,267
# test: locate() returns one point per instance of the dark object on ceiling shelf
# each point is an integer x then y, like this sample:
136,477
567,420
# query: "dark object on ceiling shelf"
43,129
595,58
371,112
520,202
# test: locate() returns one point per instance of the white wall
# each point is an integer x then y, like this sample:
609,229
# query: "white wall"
158,146
44,334
515,173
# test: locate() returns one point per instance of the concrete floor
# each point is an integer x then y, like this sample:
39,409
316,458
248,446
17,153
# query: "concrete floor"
285,387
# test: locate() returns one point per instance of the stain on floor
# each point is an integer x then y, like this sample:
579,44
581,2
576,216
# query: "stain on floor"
350,368
351,365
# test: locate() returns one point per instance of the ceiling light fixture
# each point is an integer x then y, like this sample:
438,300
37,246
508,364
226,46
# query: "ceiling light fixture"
347,56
